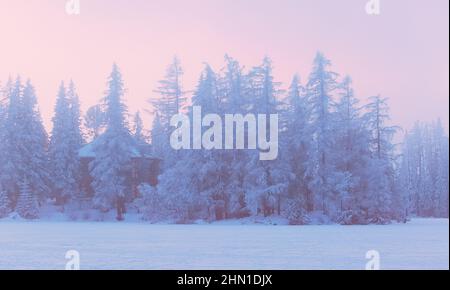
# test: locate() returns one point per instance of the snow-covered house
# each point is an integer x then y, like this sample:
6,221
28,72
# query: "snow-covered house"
145,167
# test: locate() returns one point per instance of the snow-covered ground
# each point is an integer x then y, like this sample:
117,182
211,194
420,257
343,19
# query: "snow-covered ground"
420,244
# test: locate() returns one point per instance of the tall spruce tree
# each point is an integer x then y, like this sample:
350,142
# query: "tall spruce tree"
169,102
113,151
11,164
296,138
266,180
25,144
197,194
65,142
320,88
5,204
351,154
382,201
424,170
34,145
138,130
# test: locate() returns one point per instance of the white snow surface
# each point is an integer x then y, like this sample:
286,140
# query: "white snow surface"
419,244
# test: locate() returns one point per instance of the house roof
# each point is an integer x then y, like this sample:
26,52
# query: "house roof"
138,151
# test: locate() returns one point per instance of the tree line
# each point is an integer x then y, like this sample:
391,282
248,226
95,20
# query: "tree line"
337,160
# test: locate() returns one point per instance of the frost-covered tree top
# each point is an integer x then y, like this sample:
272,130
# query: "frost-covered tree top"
113,149
115,108
170,98
138,130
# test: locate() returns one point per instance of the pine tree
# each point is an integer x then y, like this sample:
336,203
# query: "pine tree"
114,150
424,170
3,103
262,88
320,88
4,96
150,203
171,95
58,144
231,91
382,202
11,164
351,155
192,192
266,180
75,117
138,131
170,101
5,204
27,204
159,137
232,87
25,143
66,140
33,145
77,140
441,158
296,140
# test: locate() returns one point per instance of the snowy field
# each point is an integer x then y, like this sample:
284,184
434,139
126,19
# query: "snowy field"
420,244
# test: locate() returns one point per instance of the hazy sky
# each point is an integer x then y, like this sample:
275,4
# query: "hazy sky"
403,53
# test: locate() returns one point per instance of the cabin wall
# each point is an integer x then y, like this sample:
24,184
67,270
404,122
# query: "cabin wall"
144,170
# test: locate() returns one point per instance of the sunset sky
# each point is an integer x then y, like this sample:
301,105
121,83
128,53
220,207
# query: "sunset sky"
401,53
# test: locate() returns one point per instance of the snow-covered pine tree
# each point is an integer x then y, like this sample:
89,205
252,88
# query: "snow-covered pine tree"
424,170
351,154
65,142
33,145
425,185
3,103
5,204
214,183
11,158
376,119
150,203
296,146
75,117
266,181
406,171
138,130
27,203
58,146
159,136
324,180
195,184
441,162
172,97
232,87
77,139
381,201
113,151
414,175
3,116
25,144
262,89
24,156
169,102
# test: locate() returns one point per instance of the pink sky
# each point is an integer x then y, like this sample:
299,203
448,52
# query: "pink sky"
402,54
